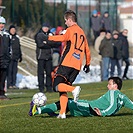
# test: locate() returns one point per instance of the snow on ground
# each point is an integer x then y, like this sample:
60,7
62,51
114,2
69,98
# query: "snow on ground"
93,76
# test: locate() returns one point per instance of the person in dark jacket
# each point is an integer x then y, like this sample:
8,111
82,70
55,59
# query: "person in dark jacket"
96,24
106,22
16,56
44,58
117,59
125,52
106,51
4,57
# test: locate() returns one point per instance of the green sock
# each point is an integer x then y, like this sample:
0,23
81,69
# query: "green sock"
47,109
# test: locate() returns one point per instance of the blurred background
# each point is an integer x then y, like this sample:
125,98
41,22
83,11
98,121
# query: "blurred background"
28,15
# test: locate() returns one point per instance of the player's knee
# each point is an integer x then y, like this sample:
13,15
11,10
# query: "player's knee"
58,87
55,88
62,93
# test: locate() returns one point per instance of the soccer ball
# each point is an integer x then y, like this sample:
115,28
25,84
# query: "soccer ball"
39,99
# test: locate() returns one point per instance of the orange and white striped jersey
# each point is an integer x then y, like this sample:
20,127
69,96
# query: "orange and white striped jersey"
76,47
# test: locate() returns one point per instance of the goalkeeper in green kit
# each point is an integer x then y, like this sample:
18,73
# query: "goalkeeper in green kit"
108,104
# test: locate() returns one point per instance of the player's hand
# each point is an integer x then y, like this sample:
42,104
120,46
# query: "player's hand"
97,111
86,68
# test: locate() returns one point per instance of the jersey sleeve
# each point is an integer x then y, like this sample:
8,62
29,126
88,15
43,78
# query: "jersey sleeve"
112,98
128,103
61,38
87,53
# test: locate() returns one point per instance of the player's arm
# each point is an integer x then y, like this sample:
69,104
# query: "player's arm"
112,99
87,53
60,38
128,103
54,44
88,57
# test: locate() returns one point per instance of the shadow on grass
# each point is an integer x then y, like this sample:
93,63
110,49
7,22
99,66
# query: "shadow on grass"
47,116
122,114
69,116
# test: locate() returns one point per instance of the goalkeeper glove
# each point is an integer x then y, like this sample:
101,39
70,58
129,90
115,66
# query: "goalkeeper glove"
86,68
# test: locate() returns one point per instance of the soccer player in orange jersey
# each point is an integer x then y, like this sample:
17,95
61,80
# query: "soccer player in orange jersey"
76,46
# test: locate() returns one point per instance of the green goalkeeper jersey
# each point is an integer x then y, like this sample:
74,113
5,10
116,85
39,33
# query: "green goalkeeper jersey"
108,104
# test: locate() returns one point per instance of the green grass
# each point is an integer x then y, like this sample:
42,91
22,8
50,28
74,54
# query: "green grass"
14,114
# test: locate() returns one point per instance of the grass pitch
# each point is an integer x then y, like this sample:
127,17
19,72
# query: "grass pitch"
14,114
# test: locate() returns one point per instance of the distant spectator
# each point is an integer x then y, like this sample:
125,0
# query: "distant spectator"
117,59
99,14
97,45
106,22
52,30
125,52
44,59
59,30
16,56
4,57
106,51
99,39
95,24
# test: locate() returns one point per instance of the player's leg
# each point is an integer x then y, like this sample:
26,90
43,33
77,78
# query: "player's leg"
80,108
49,109
59,84
64,98
63,95
63,105
67,88
63,82
64,77
71,76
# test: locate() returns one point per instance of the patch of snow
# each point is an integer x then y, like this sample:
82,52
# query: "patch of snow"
94,75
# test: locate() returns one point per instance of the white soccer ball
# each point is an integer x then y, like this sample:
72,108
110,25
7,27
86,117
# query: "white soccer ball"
39,99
